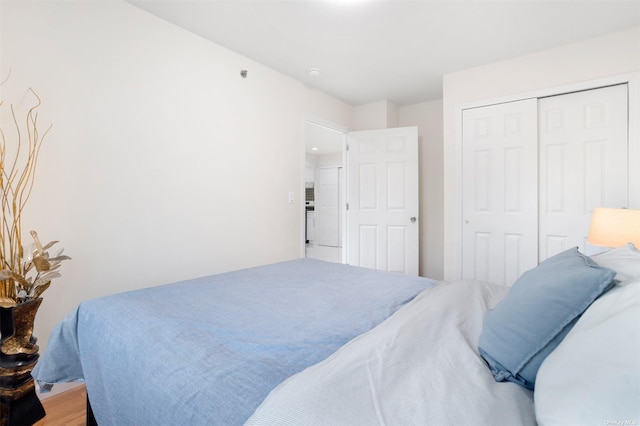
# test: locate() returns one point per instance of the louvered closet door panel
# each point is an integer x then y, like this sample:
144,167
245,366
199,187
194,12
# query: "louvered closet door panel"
583,163
499,200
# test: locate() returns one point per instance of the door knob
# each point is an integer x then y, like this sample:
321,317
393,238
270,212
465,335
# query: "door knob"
413,219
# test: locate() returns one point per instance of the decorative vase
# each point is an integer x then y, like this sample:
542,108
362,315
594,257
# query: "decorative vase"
19,404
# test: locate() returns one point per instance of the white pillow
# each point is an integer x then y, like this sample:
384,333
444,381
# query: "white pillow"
625,260
593,376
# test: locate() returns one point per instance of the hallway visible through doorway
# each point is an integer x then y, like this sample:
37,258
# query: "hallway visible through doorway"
330,254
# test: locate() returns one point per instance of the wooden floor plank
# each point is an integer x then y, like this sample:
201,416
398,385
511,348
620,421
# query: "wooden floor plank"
65,409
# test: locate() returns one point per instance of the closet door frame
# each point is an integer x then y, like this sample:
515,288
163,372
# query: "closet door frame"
633,83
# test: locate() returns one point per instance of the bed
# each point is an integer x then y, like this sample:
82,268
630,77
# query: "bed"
207,351
559,347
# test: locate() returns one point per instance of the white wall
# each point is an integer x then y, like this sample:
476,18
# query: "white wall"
310,168
375,115
614,54
427,117
329,160
163,163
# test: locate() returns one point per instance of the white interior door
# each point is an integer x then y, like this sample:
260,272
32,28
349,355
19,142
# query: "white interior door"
327,206
583,163
499,200
382,195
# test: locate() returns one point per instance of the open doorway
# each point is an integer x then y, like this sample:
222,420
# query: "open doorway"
324,182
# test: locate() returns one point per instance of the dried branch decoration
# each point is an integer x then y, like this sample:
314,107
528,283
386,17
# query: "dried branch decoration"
24,274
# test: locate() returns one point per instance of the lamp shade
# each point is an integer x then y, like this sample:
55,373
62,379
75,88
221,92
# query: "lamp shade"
614,227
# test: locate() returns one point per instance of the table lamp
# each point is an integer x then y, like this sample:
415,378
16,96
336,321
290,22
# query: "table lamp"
614,227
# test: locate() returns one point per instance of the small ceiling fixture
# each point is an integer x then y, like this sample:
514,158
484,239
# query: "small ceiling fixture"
314,72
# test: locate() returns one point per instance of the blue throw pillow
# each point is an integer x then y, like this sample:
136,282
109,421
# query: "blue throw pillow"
536,314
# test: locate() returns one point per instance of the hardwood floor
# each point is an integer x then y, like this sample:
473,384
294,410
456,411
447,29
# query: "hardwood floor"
65,409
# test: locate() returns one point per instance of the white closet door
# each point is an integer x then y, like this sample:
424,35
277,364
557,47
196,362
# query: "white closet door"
499,200
583,163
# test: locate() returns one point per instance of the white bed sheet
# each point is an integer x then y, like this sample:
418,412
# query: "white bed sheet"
419,367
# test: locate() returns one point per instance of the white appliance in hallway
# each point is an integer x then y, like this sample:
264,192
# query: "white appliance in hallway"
311,226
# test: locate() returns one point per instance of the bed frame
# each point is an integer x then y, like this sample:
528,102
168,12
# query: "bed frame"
91,420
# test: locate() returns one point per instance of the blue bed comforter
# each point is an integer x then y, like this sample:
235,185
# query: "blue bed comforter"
208,351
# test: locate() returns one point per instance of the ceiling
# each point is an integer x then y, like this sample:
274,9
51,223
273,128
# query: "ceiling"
396,50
